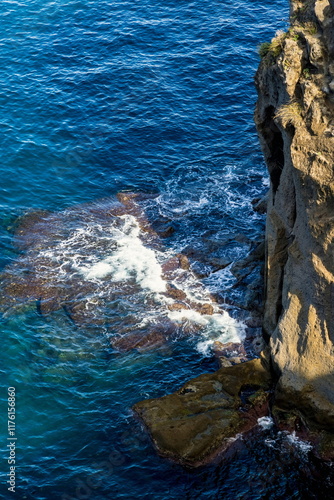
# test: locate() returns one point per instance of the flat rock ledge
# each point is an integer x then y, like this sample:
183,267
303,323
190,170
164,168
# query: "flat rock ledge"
205,417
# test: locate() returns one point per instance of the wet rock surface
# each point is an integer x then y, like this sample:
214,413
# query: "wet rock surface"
205,417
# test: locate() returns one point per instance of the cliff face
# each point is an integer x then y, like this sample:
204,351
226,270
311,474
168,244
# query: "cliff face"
295,122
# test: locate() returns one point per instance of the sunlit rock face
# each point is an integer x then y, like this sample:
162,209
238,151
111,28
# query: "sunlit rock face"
294,118
107,269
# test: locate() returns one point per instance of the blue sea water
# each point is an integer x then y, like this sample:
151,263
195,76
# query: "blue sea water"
99,97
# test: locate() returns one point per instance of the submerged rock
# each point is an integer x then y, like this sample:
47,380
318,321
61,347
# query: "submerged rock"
205,416
260,204
105,266
292,421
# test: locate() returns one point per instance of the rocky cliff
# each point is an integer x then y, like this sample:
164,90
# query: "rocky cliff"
295,122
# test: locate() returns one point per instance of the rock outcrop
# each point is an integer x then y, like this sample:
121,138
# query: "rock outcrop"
295,122
205,417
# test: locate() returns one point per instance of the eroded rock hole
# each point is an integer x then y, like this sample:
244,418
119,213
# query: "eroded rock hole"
299,92
247,391
274,140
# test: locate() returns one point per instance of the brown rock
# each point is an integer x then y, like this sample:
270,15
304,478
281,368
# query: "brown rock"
230,361
170,267
177,306
183,261
224,362
139,341
228,349
205,309
132,203
175,293
202,419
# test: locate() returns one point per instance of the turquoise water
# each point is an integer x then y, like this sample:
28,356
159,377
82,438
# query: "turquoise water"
102,97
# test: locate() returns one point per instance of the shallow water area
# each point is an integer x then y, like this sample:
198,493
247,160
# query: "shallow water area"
100,98
105,268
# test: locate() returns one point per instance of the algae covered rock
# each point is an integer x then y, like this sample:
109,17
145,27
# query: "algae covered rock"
205,416
104,267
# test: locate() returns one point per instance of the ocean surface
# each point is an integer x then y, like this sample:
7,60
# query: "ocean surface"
102,97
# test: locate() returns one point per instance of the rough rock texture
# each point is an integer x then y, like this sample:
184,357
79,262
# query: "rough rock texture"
206,415
295,121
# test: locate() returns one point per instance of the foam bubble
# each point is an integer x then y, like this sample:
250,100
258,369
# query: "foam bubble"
237,437
99,270
266,181
265,423
217,327
284,437
131,260
303,446
188,315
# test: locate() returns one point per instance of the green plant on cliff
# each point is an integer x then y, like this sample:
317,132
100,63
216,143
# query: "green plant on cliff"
306,73
263,49
290,114
275,47
277,43
292,33
302,12
310,28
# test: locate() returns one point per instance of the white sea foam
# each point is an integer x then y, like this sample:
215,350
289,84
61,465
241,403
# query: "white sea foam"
237,437
131,260
266,181
116,254
271,443
217,327
188,315
186,207
303,446
265,423
292,439
220,280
